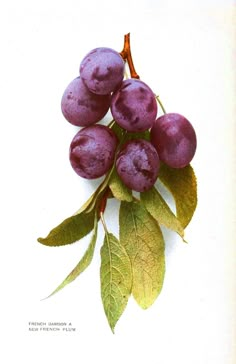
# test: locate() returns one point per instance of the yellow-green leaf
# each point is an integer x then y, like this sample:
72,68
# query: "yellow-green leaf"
142,238
116,278
91,203
70,230
182,184
83,263
161,212
118,189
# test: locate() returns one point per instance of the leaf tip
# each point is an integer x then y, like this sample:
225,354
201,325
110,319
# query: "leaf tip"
43,241
50,295
112,329
144,306
45,298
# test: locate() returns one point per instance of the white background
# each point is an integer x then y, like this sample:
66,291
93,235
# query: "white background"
185,51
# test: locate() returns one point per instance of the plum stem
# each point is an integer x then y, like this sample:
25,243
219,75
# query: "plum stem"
126,55
103,223
161,104
102,207
103,203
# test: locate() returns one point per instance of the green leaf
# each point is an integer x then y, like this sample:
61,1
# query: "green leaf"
139,135
119,190
89,204
70,230
98,194
123,135
117,130
142,238
161,212
183,186
83,263
116,278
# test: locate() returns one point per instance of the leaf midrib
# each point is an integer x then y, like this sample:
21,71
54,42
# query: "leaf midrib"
138,238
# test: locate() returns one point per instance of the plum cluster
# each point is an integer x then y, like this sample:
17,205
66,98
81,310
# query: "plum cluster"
133,105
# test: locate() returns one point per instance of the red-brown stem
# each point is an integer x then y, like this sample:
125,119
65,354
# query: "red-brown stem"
103,203
126,55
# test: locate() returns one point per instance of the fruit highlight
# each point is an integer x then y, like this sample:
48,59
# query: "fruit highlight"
174,139
102,70
133,106
138,164
92,151
82,107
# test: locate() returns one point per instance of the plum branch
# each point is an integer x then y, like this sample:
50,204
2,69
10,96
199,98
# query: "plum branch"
126,55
